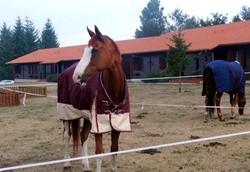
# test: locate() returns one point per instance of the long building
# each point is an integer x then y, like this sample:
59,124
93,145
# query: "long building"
143,57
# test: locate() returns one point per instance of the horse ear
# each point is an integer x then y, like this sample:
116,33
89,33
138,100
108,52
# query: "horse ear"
98,34
91,33
97,31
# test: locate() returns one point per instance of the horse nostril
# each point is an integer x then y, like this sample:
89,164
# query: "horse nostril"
83,78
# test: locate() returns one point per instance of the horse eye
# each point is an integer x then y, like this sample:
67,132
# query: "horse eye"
94,52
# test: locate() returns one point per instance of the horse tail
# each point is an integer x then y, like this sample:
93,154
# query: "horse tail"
76,134
209,88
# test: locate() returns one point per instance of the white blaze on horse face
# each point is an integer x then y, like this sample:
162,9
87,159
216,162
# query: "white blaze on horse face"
82,65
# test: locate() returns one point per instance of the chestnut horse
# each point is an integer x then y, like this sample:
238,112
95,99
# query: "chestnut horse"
97,84
221,76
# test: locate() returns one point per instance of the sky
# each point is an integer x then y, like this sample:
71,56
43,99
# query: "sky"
116,18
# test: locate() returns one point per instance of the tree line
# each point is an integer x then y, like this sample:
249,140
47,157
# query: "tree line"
24,38
154,23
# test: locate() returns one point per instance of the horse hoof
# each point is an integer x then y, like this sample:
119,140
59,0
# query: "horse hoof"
113,169
87,170
67,169
232,117
222,120
205,121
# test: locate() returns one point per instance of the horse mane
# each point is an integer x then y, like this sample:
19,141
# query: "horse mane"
116,47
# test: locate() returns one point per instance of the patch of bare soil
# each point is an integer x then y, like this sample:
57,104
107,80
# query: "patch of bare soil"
33,133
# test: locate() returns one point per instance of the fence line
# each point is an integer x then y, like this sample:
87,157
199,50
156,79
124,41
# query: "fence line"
36,90
164,78
25,92
126,151
169,78
9,98
139,104
30,90
181,106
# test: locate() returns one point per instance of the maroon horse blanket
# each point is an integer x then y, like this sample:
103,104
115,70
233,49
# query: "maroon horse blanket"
104,115
72,100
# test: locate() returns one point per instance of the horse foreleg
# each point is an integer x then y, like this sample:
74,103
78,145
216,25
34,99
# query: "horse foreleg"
85,162
217,102
84,139
99,150
233,104
114,148
66,136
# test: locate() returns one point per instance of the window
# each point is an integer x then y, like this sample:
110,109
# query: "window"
137,63
236,55
33,69
17,69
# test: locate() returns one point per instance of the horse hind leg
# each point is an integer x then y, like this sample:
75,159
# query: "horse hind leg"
217,101
66,136
84,140
206,112
233,100
209,89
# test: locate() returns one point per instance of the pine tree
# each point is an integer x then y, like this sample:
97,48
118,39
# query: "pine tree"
49,37
216,19
6,52
245,13
181,21
31,36
177,58
152,20
19,39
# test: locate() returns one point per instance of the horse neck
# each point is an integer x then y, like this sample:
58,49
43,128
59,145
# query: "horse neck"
113,80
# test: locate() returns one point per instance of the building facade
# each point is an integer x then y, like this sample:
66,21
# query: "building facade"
145,57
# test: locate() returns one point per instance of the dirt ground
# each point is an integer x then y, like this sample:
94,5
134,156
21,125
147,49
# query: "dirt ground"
33,133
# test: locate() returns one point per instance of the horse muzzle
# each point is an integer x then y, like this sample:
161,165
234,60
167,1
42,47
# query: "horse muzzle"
83,79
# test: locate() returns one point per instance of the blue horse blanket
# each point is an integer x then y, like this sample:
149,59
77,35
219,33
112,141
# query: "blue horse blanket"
229,76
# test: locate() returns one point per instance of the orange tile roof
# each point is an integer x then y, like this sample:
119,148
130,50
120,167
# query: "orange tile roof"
51,55
208,38
205,38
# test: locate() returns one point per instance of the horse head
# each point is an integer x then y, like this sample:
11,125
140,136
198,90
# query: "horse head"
241,103
100,53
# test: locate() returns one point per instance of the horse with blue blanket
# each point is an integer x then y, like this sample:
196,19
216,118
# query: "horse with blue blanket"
221,76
